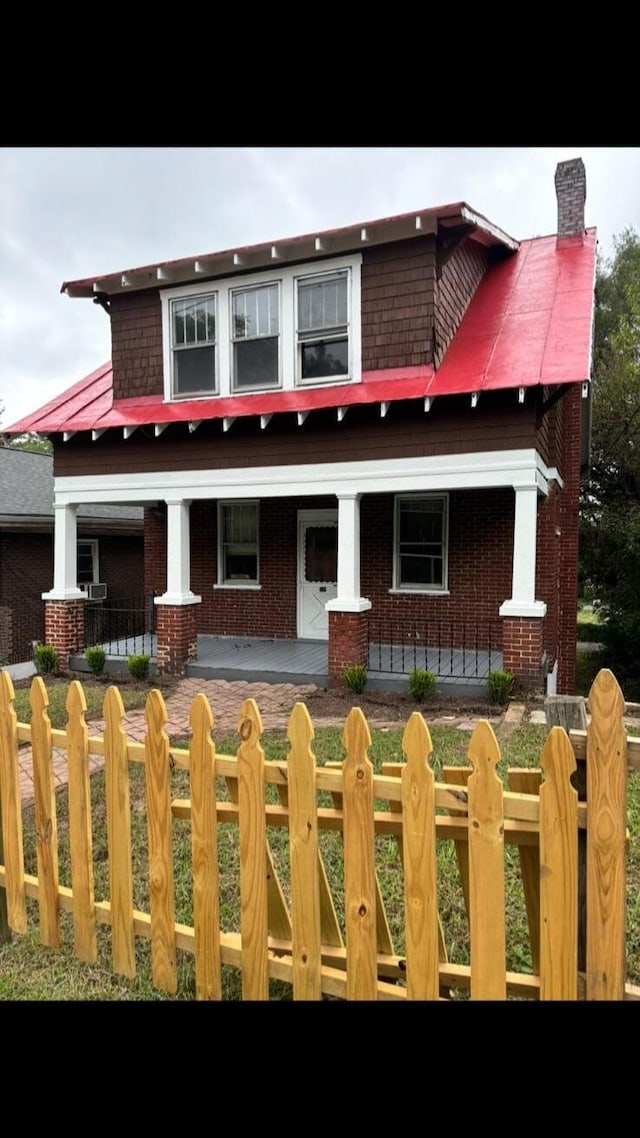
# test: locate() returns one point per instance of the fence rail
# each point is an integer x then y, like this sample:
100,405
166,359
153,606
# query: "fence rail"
451,649
294,934
124,627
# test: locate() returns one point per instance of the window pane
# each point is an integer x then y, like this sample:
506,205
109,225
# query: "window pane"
85,563
321,553
256,363
255,312
239,524
322,303
421,542
194,371
178,323
324,358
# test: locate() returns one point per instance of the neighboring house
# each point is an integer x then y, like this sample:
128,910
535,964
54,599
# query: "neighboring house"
372,435
109,550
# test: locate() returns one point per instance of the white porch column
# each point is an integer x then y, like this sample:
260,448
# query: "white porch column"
178,556
348,598
523,588
65,556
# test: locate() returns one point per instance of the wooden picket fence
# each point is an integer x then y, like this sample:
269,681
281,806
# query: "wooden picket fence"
301,941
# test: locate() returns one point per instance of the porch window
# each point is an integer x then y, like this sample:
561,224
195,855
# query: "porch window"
255,335
238,543
193,345
421,538
323,326
87,558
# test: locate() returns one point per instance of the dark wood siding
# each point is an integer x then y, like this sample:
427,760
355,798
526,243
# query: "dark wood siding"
459,274
136,344
497,423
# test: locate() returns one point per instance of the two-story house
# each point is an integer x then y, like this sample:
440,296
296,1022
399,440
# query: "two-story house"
370,436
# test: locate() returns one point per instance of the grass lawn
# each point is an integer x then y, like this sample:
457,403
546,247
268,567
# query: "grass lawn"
31,972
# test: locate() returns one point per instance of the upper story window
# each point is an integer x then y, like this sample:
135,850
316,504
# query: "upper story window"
255,334
278,328
193,345
323,326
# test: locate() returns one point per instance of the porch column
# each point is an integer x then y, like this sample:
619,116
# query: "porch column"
64,603
523,623
176,626
348,623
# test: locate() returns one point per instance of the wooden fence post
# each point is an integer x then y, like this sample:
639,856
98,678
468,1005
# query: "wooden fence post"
486,868
84,919
558,874
13,914
158,783
204,851
254,924
305,857
359,860
606,840
46,822
570,712
419,852
116,771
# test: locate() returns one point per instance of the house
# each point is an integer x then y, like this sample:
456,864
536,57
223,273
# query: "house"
369,439
108,560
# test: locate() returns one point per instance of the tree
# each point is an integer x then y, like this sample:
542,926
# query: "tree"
32,441
611,499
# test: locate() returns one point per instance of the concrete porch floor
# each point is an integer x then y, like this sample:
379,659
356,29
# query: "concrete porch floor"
305,662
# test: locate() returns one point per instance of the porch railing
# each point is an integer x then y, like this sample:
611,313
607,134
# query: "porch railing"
451,649
123,627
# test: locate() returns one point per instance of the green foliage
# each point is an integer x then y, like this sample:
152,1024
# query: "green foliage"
610,527
96,659
33,442
499,686
46,659
355,678
421,684
138,666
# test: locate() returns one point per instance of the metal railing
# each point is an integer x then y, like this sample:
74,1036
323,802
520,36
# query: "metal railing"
122,627
451,649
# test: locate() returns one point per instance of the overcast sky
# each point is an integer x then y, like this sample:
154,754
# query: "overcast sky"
72,213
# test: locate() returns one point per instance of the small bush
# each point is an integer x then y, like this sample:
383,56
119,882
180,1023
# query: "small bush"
96,659
355,678
421,684
45,658
138,666
500,686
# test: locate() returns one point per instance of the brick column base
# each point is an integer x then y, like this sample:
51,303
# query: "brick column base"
522,640
348,643
64,629
177,637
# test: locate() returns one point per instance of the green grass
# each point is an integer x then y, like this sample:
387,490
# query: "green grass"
132,697
591,628
31,972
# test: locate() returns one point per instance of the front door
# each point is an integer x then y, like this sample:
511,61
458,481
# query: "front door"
317,571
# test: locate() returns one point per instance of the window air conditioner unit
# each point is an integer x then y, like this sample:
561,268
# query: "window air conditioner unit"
97,592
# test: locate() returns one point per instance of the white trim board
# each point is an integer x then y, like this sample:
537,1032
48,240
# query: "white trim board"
484,470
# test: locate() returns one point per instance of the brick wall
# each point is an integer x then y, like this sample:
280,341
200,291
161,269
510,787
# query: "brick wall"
522,649
568,521
459,276
64,629
121,566
571,192
177,638
348,643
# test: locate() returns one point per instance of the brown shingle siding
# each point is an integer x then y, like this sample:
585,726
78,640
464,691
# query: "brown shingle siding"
460,275
398,283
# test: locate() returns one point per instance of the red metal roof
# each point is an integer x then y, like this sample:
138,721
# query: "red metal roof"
529,323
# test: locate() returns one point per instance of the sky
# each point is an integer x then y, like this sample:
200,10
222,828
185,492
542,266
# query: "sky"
71,213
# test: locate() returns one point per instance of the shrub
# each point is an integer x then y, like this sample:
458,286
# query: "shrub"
96,659
45,658
500,686
355,678
138,666
421,684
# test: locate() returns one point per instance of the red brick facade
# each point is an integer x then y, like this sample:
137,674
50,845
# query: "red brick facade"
522,649
64,629
348,643
177,637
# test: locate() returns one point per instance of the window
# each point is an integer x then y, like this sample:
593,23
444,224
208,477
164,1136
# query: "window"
193,345
238,543
87,559
421,537
323,326
255,334
276,328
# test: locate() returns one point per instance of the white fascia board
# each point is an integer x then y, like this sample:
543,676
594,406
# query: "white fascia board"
484,470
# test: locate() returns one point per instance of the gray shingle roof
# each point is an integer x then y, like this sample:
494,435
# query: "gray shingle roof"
26,489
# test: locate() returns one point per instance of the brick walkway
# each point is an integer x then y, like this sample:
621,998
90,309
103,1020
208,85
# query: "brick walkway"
225,696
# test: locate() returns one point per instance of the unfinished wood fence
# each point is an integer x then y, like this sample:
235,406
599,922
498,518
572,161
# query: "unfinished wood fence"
293,933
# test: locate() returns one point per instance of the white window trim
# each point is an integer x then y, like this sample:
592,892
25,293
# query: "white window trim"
351,308
168,337
221,582
242,286
95,554
435,590
286,278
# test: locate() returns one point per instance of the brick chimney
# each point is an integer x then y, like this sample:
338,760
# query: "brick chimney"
571,192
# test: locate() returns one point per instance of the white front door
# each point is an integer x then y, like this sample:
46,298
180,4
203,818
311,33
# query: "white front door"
317,570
